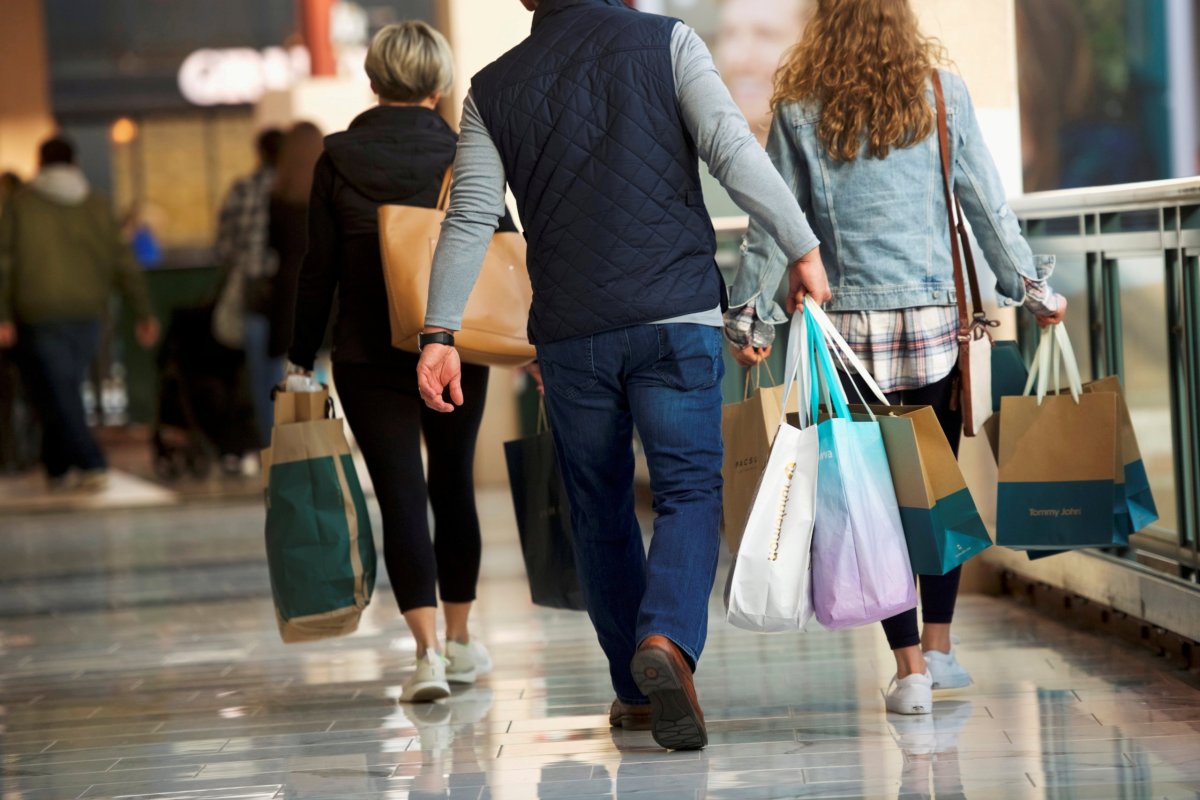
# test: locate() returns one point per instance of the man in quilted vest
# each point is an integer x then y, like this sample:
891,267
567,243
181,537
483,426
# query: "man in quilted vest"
597,122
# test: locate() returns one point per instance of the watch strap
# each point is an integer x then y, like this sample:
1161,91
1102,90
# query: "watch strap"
439,337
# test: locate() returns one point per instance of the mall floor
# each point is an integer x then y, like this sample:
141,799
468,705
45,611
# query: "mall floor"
139,659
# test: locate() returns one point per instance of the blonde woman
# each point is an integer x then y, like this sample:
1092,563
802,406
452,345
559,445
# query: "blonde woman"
855,136
397,153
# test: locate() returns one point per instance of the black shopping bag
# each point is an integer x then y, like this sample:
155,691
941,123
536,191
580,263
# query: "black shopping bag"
543,521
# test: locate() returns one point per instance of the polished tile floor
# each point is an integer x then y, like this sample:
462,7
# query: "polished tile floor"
139,659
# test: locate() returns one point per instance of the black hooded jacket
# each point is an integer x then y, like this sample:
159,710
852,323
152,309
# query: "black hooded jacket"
390,154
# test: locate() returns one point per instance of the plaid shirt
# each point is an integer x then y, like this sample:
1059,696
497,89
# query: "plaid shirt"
242,228
915,347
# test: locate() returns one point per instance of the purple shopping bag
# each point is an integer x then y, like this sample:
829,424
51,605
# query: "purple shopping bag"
861,569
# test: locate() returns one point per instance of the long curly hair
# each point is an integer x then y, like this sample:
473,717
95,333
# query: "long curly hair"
866,63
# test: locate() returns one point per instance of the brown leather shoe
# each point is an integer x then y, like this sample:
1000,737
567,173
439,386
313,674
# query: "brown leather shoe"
663,675
629,717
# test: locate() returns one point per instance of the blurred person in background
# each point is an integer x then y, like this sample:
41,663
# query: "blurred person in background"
61,257
851,137
1083,99
288,236
397,153
241,316
17,431
10,183
752,37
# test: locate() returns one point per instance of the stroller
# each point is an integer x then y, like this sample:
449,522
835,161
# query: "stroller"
203,407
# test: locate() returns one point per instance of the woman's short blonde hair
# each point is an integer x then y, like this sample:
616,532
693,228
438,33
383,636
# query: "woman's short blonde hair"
410,61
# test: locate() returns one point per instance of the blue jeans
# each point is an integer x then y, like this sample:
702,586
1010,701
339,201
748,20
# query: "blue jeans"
54,358
263,372
666,381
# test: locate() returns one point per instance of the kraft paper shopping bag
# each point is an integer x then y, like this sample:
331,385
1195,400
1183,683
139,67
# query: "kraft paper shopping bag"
1058,460
942,525
748,428
320,552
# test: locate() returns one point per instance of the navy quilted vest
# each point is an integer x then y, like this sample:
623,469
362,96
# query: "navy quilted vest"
586,119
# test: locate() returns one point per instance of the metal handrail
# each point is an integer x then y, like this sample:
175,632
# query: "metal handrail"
1105,225
1150,194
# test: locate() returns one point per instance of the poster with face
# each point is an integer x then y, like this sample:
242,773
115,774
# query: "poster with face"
748,38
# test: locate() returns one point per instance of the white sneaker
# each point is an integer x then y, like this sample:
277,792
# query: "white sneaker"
911,695
428,682
467,662
945,670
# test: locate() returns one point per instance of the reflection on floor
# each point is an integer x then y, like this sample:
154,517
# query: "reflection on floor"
139,659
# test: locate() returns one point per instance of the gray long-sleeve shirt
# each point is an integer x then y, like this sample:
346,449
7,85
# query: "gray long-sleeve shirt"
723,140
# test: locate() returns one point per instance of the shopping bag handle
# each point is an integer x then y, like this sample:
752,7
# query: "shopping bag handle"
834,393
1055,353
798,369
330,408
831,332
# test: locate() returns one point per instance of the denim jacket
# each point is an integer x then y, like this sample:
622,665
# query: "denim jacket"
885,240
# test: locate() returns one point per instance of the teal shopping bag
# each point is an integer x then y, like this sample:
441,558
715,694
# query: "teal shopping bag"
860,567
1009,372
1058,460
320,552
942,525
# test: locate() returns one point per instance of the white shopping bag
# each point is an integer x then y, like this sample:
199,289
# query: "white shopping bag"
771,584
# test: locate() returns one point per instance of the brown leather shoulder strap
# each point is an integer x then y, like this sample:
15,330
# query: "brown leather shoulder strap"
964,315
972,273
444,194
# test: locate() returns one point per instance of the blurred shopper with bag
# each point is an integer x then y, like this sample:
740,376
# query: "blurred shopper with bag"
61,257
598,121
855,134
287,233
397,153
240,316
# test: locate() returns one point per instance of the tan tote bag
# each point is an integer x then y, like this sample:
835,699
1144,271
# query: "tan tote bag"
494,327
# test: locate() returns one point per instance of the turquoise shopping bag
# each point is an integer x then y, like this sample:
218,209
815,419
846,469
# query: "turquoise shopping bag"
860,566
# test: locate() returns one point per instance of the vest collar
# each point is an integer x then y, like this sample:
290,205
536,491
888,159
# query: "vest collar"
548,8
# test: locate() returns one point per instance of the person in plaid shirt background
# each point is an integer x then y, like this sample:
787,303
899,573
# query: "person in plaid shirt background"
240,318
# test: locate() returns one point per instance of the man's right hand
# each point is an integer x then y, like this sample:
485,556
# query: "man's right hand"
807,277
438,369
8,335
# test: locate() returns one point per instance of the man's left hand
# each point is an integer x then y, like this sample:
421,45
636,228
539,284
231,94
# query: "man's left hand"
535,371
750,356
440,367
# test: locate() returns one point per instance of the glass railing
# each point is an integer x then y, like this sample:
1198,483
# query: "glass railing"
1129,263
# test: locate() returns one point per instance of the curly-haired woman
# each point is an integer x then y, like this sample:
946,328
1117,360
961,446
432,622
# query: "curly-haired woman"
855,136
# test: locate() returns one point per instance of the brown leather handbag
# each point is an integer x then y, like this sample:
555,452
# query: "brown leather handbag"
974,336
494,324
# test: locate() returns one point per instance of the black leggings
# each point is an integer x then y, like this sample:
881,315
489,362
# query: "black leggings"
938,592
387,416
